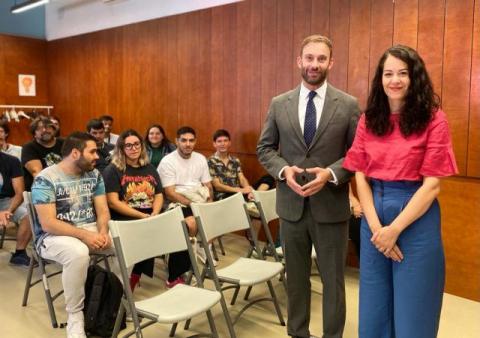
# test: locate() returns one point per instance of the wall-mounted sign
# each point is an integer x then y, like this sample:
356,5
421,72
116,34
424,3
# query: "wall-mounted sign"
26,85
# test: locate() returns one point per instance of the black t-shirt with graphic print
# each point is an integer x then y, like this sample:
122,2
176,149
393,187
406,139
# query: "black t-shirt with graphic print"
136,185
47,156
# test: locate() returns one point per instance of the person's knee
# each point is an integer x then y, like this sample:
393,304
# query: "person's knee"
79,253
192,225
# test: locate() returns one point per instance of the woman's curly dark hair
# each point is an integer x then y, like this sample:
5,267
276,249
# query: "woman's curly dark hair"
420,103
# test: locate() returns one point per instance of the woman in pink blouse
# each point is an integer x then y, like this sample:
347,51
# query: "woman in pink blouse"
401,149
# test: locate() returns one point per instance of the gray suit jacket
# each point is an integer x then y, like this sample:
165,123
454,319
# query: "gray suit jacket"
282,144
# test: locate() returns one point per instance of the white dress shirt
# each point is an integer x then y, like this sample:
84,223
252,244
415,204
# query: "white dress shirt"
318,101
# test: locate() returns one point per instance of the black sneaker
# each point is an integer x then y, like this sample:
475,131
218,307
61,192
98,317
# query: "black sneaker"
20,259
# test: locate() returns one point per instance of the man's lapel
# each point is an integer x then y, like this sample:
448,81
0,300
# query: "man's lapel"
329,108
292,113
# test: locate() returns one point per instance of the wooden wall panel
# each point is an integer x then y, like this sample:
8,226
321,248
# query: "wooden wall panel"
2,69
456,74
245,116
381,33
220,67
217,73
302,17
201,106
284,61
431,29
268,56
406,23
320,18
460,205
358,58
22,56
170,122
339,33
473,165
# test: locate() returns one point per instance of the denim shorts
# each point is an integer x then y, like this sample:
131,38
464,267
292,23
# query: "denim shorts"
19,213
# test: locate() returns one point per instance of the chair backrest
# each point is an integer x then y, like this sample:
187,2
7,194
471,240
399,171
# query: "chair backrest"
222,217
149,237
32,214
267,200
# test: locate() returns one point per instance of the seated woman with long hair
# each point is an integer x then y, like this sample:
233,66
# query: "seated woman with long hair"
134,190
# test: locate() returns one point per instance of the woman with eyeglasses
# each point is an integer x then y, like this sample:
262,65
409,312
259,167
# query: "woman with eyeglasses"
133,189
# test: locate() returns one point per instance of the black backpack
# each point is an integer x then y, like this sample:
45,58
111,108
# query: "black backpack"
103,294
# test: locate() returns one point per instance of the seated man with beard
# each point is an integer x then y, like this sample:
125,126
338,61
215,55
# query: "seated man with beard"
43,151
67,196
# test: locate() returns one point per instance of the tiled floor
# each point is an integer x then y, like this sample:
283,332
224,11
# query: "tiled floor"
460,317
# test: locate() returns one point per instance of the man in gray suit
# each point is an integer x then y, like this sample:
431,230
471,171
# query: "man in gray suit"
304,140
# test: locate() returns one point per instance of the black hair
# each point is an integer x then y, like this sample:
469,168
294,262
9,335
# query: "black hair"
106,118
420,102
94,124
185,130
220,133
76,140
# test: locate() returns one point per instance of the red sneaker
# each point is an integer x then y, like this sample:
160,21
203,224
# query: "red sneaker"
178,280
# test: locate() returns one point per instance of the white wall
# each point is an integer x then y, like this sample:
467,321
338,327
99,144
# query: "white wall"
74,17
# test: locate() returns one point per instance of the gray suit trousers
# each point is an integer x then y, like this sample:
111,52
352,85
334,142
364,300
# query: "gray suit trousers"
330,242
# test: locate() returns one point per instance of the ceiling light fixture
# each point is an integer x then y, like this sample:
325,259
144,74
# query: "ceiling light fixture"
25,6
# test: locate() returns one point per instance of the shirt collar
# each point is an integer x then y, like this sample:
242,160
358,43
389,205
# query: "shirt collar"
321,91
217,156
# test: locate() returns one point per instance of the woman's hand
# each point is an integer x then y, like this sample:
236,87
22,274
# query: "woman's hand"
395,254
385,238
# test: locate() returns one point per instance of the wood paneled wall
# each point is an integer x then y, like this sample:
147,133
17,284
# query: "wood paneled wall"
22,56
220,67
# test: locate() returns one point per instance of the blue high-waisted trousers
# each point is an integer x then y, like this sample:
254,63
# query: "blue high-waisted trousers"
401,300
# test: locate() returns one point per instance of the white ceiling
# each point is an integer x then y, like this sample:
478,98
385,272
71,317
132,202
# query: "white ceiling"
66,18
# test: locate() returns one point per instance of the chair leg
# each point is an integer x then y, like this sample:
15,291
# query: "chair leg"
235,295
275,303
247,293
173,329
2,236
220,244
228,319
118,321
211,323
187,324
28,283
107,264
48,295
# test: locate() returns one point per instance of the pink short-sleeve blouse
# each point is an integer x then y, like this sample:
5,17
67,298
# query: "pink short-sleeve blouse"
394,157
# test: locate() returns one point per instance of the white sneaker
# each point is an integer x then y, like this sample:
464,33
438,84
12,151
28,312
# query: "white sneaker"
76,325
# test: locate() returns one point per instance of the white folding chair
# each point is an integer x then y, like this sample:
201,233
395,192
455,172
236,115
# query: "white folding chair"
155,236
226,216
266,204
32,215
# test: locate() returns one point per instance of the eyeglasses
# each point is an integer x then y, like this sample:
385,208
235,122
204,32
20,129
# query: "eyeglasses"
130,146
